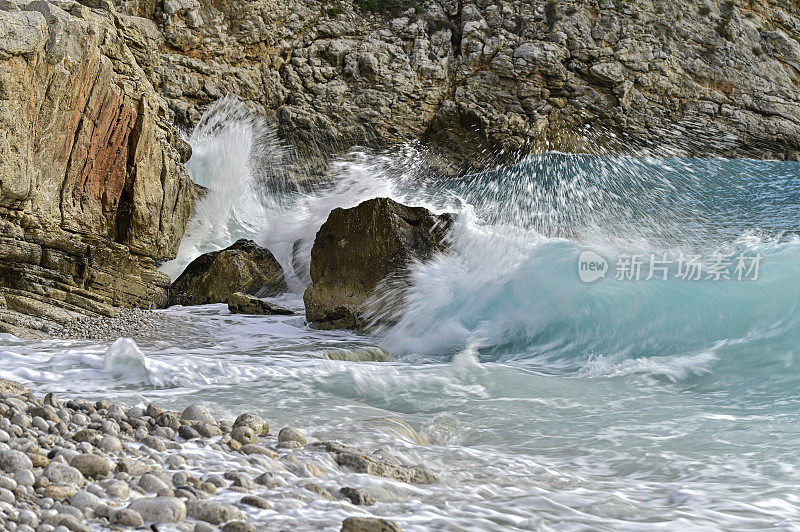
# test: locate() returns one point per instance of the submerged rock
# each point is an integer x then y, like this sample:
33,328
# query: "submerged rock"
240,303
374,464
357,496
214,277
357,248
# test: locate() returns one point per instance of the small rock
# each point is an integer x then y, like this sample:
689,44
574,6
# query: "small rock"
212,512
72,523
244,435
91,465
291,434
160,509
187,433
319,490
258,449
257,423
197,413
357,496
12,461
207,430
266,479
59,492
83,499
154,443
240,480
239,303
126,517
110,444
117,489
153,410
60,473
24,477
7,496
152,484
256,501
369,524
238,526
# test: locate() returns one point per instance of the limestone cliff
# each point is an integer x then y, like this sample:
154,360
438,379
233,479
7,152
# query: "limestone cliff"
92,186
705,76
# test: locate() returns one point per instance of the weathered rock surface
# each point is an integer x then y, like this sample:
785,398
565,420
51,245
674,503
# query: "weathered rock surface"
369,524
239,303
357,248
214,277
92,186
708,76
11,387
372,464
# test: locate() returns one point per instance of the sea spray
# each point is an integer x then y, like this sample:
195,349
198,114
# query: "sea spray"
241,163
548,402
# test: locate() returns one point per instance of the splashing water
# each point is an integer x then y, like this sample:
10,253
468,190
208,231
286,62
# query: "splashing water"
540,401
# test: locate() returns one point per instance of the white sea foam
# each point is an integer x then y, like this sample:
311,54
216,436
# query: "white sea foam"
549,403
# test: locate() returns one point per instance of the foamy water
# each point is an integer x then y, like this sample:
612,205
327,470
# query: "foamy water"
540,401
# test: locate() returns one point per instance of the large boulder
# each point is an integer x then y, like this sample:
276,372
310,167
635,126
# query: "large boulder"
357,248
214,277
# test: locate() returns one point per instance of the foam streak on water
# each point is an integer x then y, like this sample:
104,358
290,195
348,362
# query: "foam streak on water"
547,402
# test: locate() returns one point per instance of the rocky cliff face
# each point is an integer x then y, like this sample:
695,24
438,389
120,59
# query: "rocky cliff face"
92,186
705,76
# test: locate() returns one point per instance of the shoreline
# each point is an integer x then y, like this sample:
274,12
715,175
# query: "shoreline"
79,465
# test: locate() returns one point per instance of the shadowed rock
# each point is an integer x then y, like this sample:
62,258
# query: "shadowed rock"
240,303
357,248
214,277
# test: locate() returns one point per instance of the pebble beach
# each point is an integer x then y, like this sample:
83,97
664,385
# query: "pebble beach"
77,465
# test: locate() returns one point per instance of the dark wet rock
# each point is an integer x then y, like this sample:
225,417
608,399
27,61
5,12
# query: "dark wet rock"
257,502
188,433
240,303
369,524
358,248
214,277
357,496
